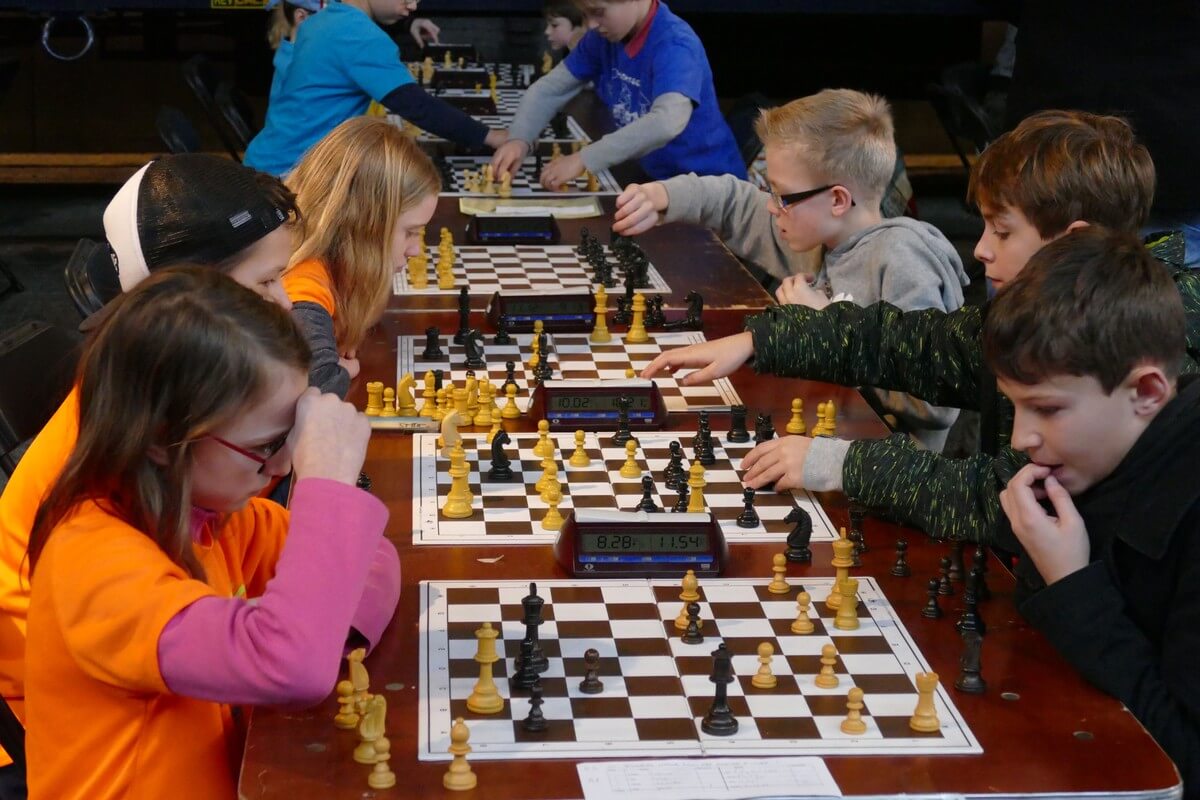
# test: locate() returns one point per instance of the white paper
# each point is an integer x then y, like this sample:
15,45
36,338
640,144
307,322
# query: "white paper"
707,779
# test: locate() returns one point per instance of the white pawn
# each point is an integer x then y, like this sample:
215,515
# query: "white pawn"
459,777
580,457
764,678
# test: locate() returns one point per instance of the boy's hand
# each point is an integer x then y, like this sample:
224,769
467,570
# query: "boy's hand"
797,290
330,438
1058,545
778,462
508,156
423,30
715,359
640,208
494,139
562,170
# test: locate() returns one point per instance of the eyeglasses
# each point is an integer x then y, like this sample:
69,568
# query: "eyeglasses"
784,201
266,451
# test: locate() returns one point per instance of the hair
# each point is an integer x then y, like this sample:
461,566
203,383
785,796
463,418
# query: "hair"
354,184
844,135
1057,167
181,354
282,22
566,9
1093,303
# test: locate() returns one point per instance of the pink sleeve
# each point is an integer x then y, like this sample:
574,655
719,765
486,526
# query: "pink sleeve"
380,595
286,648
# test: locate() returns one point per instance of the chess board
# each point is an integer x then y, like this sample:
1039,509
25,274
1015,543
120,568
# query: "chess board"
510,512
505,72
519,268
507,100
656,688
525,181
572,357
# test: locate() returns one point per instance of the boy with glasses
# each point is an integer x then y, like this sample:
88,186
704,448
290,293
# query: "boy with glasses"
830,157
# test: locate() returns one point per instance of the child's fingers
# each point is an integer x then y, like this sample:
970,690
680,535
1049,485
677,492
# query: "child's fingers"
1060,498
664,361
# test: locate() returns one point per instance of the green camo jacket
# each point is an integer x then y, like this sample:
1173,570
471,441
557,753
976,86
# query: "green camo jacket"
938,357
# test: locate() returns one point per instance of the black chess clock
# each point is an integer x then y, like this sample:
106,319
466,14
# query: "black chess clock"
598,543
558,312
597,405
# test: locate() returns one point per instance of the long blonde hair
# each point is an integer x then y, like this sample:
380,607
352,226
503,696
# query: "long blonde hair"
353,185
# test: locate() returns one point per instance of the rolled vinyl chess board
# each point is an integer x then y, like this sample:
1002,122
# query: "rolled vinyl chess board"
520,268
507,100
505,74
575,133
510,512
656,688
572,357
525,181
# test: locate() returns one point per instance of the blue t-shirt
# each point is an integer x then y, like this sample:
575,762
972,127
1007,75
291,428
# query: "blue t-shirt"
671,59
283,60
341,62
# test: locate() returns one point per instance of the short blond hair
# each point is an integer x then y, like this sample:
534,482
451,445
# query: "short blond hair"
844,135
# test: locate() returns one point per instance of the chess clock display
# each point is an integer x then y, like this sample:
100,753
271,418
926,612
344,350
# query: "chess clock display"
600,405
512,230
637,544
558,312
465,78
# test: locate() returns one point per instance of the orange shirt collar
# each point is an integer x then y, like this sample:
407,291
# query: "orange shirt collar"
634,46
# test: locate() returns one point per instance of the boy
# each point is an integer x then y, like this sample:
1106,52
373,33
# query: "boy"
650,69
564,25
1055,172
829,160
1087,343
343,60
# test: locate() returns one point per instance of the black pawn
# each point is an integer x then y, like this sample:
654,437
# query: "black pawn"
798,538
591,683
957,571
945,587
439,378
855,538
623,434
932,610
681,503
673,475
901,569
858,515
982,592
737,424
719,721
464,316
970,681
764,430
510,375
433,348
647,501
749,517
502,337
584,236
536,721
692,634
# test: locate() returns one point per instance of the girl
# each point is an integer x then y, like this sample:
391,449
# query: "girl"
367,191
144,553
180,208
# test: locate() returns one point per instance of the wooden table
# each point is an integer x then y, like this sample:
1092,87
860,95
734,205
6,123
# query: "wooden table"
1043,731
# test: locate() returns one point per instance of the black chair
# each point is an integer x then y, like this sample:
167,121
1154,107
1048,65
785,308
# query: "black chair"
958,102
236,112
37,364
91,277
741,117
202,77
12,739
177,131
12,284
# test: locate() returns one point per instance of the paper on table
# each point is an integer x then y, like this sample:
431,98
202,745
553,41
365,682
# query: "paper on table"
561,208
707,779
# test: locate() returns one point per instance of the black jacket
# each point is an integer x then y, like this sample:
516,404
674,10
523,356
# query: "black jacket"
1130,621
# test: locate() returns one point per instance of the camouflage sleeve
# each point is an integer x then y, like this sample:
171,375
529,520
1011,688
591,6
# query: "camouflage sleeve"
948,498
1188,283
931,354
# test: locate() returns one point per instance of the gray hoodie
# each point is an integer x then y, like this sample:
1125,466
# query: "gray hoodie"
902,261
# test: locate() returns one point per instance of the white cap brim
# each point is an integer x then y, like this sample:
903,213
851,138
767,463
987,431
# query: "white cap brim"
121,230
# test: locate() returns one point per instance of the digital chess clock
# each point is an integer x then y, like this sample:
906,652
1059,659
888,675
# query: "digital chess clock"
465,78
596,405
558,312
636,544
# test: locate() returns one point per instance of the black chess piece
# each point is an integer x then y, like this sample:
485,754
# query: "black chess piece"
433,349
695,311
558,126
957,571
704,451
536,721
970,619
510,375
439,379
501,469
945,588
532,606
655,316
692,634
970,680
647,501
623,434
749,517
855,538
764,430
464,316
858,515
473,344
901,569
624,312
681,503
737,425
502,337
932,610
719,721
363,482
526,674
798,551
543,340
591,683
673,475
982,592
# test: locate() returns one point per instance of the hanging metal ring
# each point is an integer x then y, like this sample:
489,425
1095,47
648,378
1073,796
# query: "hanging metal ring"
48,28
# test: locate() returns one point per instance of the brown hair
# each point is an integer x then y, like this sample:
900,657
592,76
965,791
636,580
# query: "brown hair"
353,185
1060,166
181,353
565,9
844,135
1092,303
